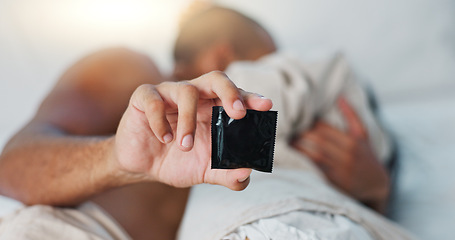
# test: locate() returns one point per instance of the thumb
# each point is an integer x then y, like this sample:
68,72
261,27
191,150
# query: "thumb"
234,179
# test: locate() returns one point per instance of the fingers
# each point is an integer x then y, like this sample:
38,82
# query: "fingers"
146,99
326,144
308,148
256,101
354,123
332,135
188,98
319,150
234,179
183,97
217,86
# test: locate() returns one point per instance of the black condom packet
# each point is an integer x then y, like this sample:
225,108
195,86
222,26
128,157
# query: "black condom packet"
245,143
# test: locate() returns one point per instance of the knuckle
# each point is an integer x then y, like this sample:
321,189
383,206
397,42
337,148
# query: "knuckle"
188,89
165,84
143,88
140,93
217,74
155,106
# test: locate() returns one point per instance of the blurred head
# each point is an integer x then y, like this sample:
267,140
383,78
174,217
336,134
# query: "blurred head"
212,39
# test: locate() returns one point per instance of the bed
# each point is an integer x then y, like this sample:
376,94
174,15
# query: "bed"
405,49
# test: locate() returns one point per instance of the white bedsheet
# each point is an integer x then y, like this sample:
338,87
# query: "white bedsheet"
8,205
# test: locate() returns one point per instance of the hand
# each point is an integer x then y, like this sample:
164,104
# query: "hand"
164,134
346,158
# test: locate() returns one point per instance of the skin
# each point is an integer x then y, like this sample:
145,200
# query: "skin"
110,132
346,158
102,128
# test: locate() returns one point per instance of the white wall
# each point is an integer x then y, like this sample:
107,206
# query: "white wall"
398,45
39,39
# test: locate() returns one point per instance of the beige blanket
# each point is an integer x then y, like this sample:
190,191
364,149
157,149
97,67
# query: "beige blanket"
300,93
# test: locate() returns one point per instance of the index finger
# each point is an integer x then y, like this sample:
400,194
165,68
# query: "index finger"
355,125
216,85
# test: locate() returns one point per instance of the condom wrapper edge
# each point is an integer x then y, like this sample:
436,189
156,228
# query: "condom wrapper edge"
245,143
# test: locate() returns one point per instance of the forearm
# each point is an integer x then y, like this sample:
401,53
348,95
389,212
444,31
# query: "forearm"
45,166
57,158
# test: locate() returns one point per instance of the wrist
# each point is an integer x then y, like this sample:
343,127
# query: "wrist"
119,176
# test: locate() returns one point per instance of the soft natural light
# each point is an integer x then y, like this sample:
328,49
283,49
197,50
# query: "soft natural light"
87,21
115,11
119,13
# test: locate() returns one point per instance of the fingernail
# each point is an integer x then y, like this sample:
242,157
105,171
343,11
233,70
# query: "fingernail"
238,105
167,138
187,141
260,96
243,180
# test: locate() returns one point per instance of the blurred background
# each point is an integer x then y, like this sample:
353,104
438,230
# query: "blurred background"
405,49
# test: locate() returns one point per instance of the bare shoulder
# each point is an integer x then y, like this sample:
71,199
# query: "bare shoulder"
92,95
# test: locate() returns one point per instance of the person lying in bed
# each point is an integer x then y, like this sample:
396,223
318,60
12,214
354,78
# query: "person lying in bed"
82,143
62,144
322,110
226,40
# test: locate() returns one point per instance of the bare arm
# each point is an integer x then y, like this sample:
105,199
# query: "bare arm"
68,152
63,155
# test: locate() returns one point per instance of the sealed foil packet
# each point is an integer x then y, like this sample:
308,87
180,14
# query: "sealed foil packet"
245,143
